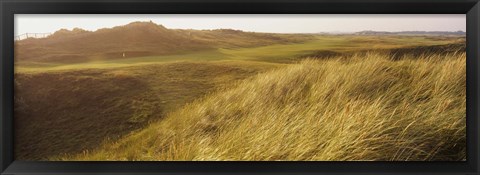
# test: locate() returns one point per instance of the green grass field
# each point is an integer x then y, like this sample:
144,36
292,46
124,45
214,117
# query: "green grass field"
316,97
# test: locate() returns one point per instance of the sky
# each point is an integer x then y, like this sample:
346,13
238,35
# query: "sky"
272,23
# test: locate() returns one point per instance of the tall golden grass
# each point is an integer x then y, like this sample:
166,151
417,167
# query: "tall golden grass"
367,107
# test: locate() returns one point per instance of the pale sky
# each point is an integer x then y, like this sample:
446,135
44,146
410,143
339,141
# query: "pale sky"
273,23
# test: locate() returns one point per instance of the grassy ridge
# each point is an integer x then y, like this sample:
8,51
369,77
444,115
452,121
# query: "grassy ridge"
137,39
74,110
368,107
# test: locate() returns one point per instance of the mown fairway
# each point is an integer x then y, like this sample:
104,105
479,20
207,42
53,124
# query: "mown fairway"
232,95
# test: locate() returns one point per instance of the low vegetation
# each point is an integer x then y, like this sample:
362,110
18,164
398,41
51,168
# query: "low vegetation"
145,92
368,107
72,111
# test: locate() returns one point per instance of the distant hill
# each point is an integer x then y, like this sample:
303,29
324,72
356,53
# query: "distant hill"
137,39
370,32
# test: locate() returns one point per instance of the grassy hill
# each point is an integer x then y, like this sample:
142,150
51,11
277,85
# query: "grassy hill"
138,39
368,107
193,94
72,111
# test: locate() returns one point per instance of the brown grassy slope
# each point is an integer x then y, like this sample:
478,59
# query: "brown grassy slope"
366,108
72,111
136,39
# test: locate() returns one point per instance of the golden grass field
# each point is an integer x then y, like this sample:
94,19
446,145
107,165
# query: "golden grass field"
282,97
366,108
